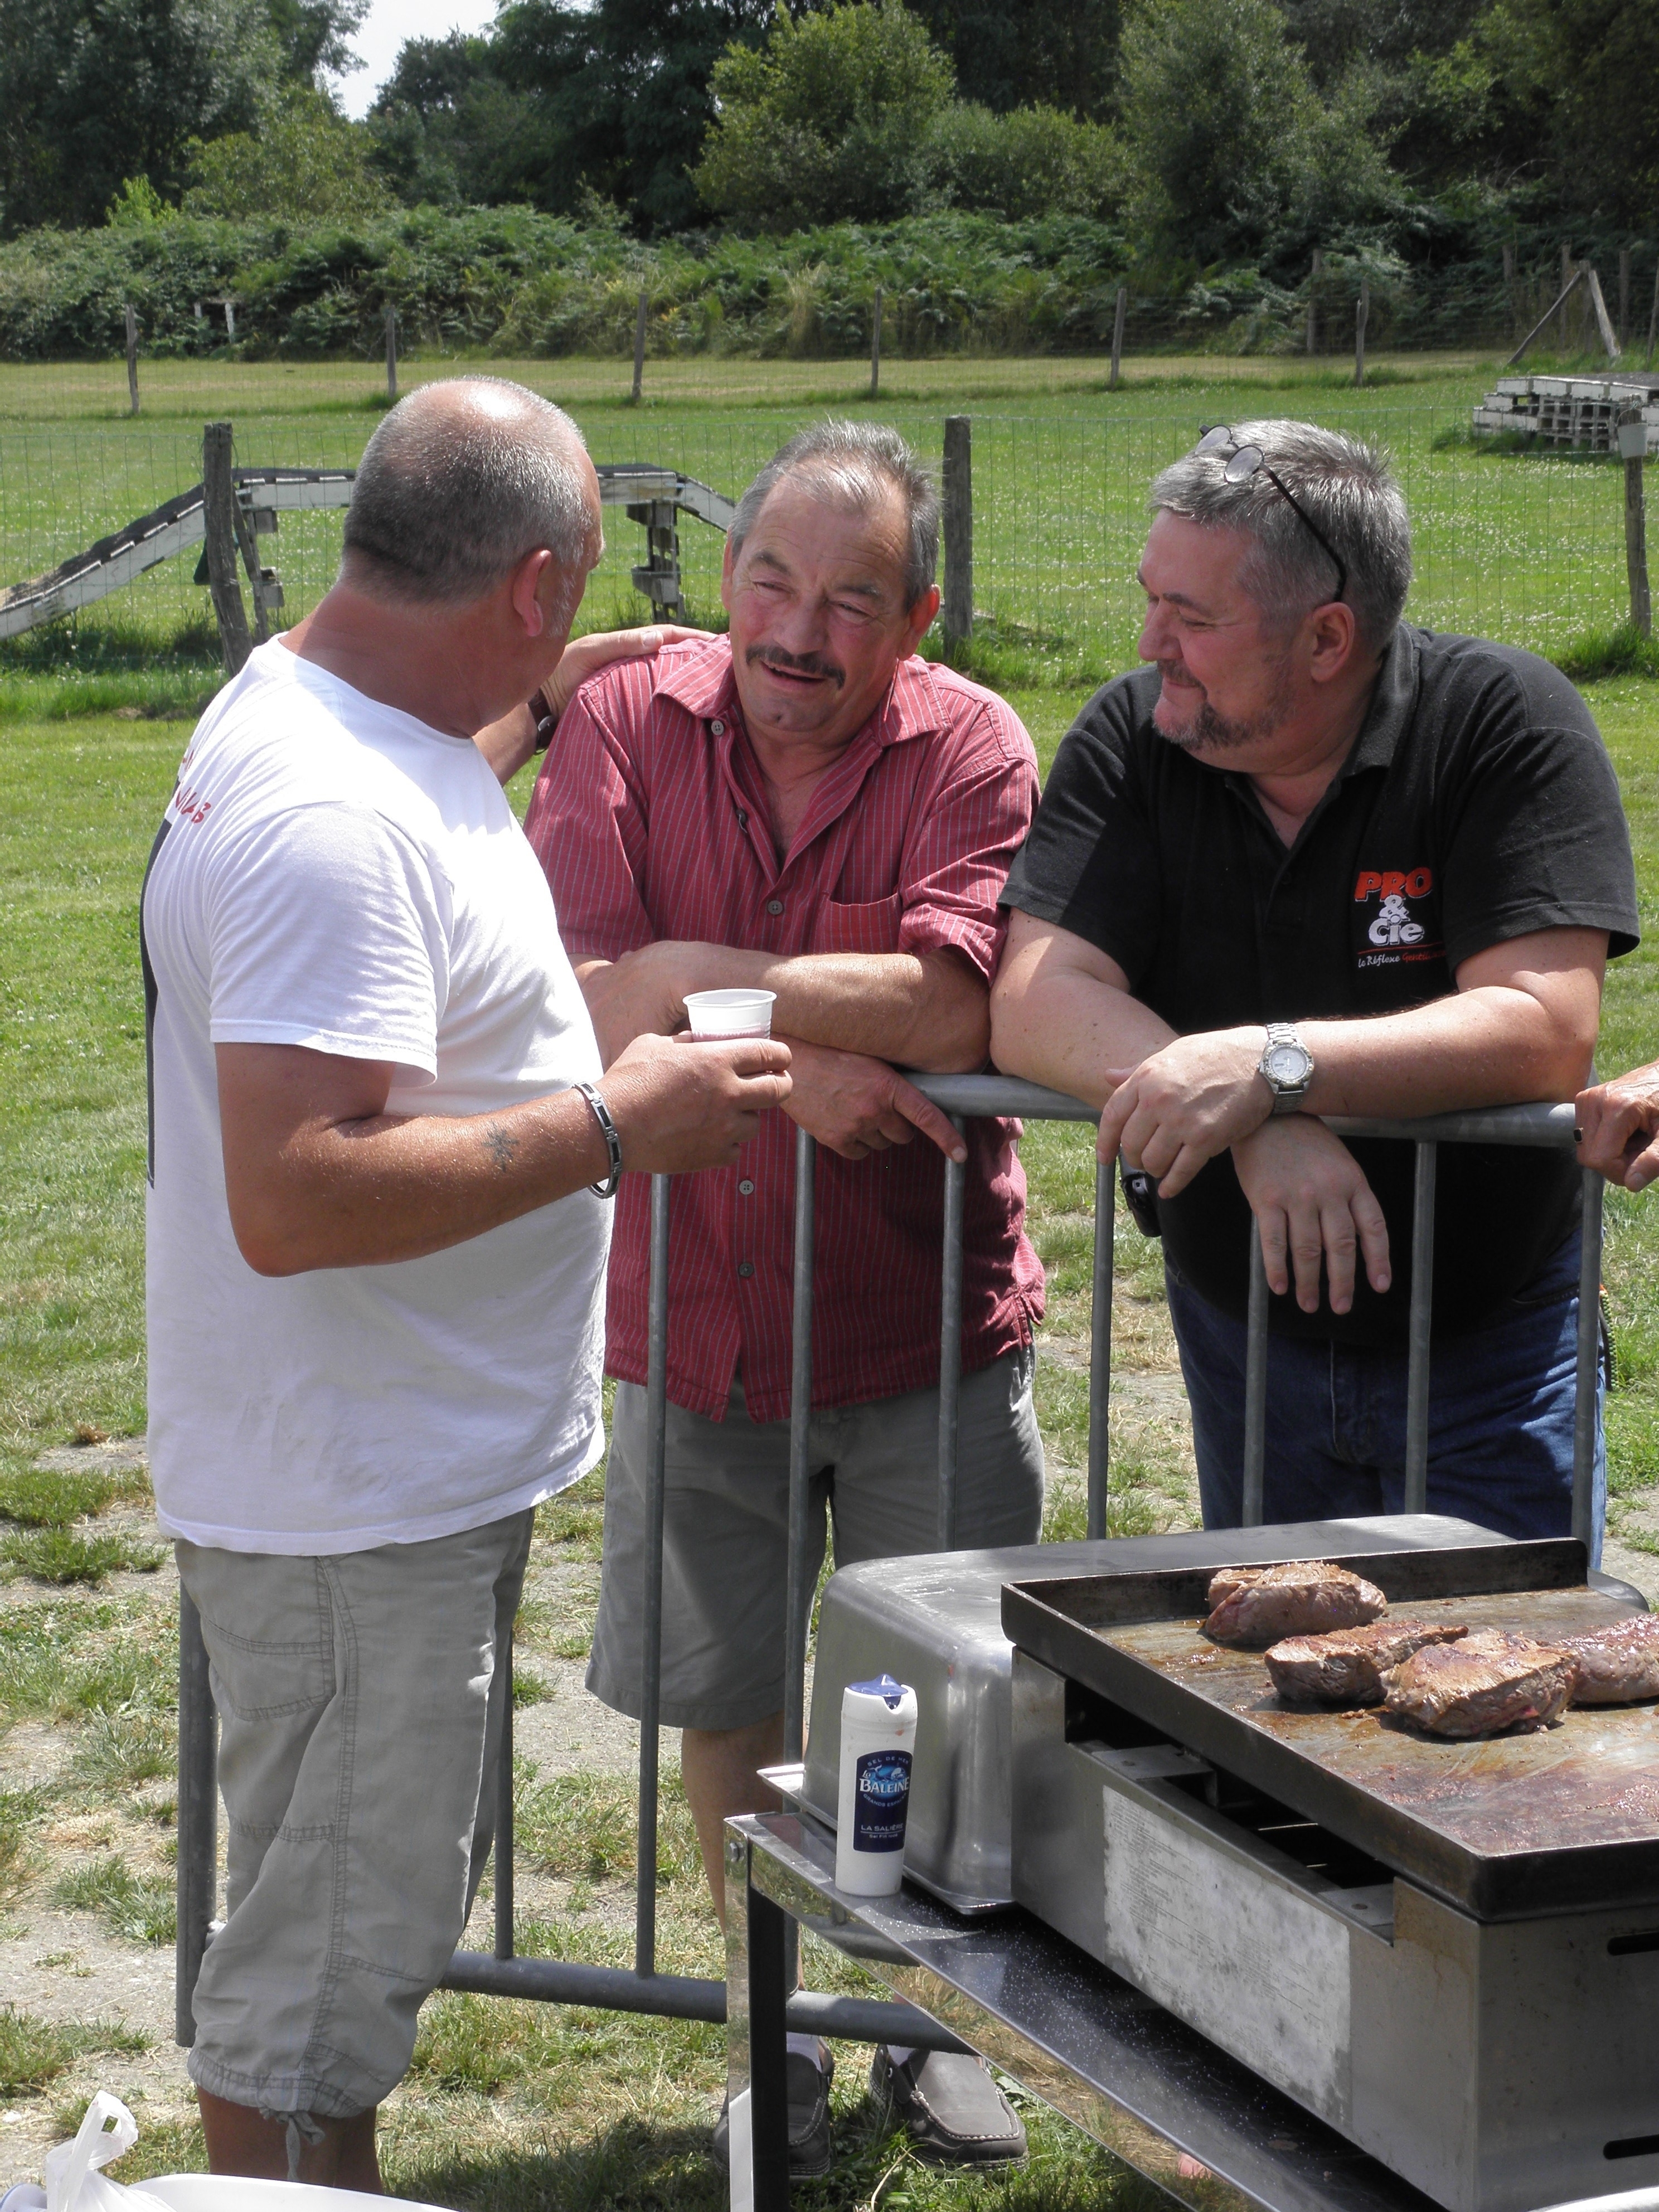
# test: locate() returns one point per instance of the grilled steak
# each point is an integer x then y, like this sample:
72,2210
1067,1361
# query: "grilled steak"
1346,1667
1486,1682
1254,1606
1618,1665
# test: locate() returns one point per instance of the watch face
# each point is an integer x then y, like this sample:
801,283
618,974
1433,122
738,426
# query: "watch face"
1287,1064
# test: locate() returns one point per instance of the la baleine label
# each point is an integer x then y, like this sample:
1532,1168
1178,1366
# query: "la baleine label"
881,1793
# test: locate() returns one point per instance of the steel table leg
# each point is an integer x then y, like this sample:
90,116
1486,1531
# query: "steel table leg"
1256,1388
755,2029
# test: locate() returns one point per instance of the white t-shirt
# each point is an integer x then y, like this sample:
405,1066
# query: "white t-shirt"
335,874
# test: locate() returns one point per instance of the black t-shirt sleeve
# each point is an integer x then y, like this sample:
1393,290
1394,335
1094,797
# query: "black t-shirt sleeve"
1090,862
1533,831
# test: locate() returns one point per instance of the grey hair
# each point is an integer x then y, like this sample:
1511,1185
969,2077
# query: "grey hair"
460,481
855,464
1346,485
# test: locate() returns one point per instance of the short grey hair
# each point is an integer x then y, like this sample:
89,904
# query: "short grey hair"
462,480
856,465
1346,485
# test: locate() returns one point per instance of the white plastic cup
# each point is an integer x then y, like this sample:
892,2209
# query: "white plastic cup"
878,1739
730,1014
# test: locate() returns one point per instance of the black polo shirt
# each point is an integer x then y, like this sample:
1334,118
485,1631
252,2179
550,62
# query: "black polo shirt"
1477,804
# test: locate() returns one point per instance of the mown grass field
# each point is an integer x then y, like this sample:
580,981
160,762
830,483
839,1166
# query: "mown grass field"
515,2106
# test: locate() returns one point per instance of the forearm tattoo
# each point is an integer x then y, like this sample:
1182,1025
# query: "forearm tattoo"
502,1148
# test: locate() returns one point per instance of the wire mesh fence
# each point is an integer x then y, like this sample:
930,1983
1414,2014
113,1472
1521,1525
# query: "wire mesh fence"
1527,548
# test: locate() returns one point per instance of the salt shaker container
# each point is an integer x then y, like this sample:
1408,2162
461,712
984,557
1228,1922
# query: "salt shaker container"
877,1737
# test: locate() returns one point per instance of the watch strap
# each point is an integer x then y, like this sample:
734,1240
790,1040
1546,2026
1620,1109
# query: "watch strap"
612,1137
1287,1096
546,718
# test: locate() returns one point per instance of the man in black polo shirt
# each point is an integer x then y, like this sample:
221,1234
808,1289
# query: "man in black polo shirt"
1314,861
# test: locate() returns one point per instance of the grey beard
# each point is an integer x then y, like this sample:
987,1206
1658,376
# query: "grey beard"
1209,731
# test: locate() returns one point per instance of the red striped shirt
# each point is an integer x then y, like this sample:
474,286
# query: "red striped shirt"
650,820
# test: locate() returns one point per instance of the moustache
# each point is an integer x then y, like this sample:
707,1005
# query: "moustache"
796,664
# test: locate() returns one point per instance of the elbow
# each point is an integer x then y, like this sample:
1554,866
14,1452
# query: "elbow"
957,1041
1010,1042
268,1242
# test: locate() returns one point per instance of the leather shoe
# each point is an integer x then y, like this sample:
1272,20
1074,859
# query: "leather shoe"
807,2087
950,2105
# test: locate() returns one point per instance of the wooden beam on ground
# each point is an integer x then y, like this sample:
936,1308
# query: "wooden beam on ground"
1603,320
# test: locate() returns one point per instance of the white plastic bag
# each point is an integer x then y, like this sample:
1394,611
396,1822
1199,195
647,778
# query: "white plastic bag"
74,2181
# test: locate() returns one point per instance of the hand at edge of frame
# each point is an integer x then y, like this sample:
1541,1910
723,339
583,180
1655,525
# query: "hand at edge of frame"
1187,1102
1618,1124
680,1105
1312,1204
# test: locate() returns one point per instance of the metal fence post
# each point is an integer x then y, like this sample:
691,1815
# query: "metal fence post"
198,1816
1419,1326
1590,1355
950,1345
1100,1347
797,1596
504,1846
1256,1386
656,1419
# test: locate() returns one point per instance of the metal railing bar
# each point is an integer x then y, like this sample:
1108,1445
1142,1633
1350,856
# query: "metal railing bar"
1256,1388
198,1816
950,1345
656,1416
503,1848
686,1996
1100,1347
975,1097
1590,1353
1418,1329
1553,1127
798,1597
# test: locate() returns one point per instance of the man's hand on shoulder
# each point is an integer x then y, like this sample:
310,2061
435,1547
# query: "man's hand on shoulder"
1312,1203
585,656
1188,1102
681,1104
1618,1124
856,1105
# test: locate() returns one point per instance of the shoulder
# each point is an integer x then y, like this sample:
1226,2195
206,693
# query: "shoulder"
1471,686
970,719
626,697
1113,736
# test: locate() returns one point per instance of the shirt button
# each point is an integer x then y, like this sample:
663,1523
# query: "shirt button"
745,1266
718,727
746,1187
774,906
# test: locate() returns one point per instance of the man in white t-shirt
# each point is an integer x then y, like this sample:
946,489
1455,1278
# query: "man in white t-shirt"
380,1148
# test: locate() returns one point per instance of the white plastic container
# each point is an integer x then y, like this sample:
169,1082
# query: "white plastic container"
878,1739
730,1014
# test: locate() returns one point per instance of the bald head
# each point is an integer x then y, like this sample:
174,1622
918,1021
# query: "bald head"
462,480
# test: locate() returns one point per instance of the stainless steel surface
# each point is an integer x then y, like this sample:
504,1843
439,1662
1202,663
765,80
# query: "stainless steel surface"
656,1416
797,1598
936,1622
1202,2127
1547,1127
1100,1348
1255,1386
1504,1828
1489,2064
1419,1326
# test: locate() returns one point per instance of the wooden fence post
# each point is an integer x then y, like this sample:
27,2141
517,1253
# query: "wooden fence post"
1362,310
1623,296
1632,446
132,356
958,517
1314,276
390,355
1653,320
1603,320
219,513
875,347
638,348
1118,314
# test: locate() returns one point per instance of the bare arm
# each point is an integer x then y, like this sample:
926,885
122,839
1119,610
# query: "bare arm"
1062,1014
1617,1122
509,743
921,1010
319,1175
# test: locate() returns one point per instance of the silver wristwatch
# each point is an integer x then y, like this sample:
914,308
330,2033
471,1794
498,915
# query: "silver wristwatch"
1286,1067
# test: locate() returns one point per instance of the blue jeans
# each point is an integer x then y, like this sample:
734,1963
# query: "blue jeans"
1501,1405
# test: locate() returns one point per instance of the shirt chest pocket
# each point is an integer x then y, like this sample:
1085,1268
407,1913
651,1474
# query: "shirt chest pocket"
872,925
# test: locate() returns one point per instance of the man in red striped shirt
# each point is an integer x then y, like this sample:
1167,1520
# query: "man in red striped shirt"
807,807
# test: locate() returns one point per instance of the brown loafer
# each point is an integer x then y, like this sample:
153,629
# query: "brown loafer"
953,2111
808,2089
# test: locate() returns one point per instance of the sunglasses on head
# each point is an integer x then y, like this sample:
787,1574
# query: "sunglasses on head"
1245,461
